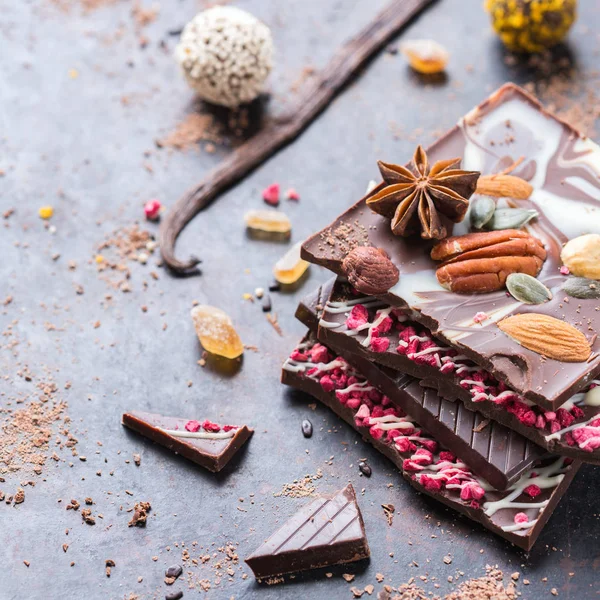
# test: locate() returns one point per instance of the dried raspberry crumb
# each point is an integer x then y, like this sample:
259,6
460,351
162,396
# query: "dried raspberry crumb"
210,426
564,270
480,317
292,194
327,383
271,194
192,426
380,344
431,484
152,209
358,316
376,432
521,518
533,491
445,455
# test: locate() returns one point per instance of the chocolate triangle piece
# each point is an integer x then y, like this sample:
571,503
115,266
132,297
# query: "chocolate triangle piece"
207,444
329,531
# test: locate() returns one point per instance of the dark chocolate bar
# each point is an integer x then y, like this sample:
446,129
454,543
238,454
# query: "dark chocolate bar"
207,444
328,531
517,514
563,167
496,453
371,329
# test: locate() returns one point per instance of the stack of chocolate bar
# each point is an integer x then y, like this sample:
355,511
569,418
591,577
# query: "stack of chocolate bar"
460,335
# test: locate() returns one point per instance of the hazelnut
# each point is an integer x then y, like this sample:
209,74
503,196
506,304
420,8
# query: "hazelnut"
370,270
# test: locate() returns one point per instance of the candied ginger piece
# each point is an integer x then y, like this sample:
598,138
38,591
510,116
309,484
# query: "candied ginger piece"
425,56
290,267
216,331
270,221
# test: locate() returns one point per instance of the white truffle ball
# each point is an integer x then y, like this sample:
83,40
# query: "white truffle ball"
226,55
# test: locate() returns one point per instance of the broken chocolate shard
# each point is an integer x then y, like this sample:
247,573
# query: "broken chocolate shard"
517,514
207,444
566,196
496,453
328,531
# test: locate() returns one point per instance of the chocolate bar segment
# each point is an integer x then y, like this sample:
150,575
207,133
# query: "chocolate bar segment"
496,453
564,170
329,531
207,444
517,514
371,329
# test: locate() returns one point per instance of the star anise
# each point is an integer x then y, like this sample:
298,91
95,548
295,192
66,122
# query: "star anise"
415,198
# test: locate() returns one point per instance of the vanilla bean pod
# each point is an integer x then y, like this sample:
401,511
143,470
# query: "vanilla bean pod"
317,95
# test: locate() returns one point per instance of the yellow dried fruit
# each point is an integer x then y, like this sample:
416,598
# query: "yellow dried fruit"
290,267
425,56
269,221
582,256
547,336
45,212
216,331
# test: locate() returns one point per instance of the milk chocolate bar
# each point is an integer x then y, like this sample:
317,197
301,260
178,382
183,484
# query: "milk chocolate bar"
206,443
517,514
372,329
496,453
510,130
328,531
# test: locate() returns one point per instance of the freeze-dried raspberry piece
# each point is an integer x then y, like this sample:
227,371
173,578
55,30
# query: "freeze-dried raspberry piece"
319,354
521,518
448,456
431,484
210,426
327,383
298,356
380,344
533,491
192,426
358,316
376,432
363,412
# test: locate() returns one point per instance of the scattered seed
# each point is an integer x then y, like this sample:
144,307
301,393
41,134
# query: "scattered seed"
582,288
365,469
510,218
527,289
307,428
482,210
266,304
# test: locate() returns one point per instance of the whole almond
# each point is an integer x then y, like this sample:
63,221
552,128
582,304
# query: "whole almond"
547,336
370,270
504,186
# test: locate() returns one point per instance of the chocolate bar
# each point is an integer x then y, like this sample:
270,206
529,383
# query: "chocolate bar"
328,531
517,514
373,330
563,169
496,453
206,443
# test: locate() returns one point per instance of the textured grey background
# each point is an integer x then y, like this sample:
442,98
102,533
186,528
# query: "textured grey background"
75,135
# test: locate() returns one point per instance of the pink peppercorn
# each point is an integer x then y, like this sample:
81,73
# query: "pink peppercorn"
152,209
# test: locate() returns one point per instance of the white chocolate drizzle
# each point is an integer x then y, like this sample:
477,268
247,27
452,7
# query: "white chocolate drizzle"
200,435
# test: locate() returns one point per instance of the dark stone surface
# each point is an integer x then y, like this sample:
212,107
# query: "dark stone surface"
75,135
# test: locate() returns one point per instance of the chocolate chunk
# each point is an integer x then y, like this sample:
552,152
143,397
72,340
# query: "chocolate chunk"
307,428
365,469
266,303
174,571
328,531
211,447
517,514
496,453
542,140
174,595
274,286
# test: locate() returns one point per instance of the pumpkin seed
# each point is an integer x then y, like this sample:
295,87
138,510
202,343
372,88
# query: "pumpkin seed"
527,289
583,288
510,218
482,210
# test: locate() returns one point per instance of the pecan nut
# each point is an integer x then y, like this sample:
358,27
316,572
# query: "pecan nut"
481,262
370,270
